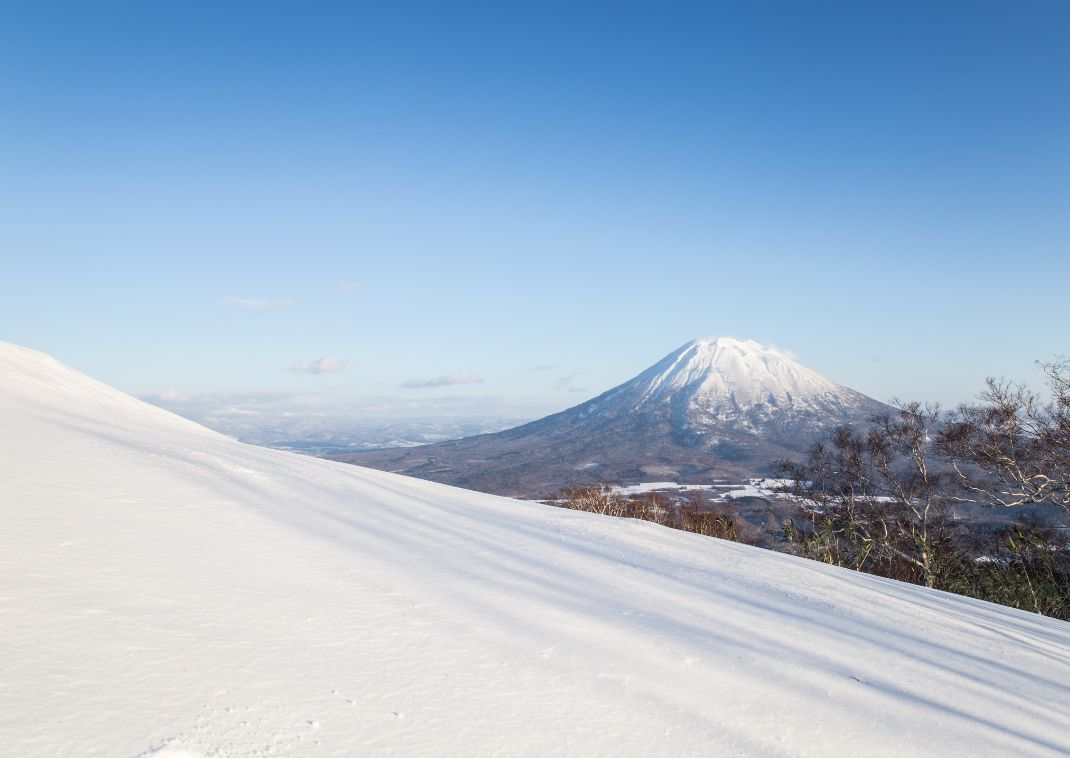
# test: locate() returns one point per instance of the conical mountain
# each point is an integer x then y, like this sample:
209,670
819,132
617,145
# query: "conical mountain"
711,408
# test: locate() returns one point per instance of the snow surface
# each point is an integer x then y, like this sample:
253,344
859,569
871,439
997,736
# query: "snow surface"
168,592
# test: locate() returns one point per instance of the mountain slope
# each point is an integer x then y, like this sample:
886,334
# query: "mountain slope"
711,408
165,591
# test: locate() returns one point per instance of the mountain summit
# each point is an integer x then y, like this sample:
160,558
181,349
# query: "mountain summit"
713,407
720,381
742,372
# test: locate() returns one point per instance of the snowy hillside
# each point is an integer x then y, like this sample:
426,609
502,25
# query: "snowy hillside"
166,591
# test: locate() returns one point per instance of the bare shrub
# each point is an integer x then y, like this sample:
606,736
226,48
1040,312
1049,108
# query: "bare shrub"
651,506
1024,565
594,499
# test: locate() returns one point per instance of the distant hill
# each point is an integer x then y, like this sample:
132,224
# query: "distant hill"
712,408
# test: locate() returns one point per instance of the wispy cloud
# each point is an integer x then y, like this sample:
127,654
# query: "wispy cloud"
461,377
568,384
257,303
326,365
348,288
545,367
786,352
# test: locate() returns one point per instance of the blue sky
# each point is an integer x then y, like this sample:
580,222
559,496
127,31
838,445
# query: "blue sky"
211,200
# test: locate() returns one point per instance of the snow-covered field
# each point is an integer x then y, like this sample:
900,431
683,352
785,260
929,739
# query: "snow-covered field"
644,488
767,488
166,591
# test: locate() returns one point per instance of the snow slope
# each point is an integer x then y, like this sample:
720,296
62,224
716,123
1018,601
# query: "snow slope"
165,591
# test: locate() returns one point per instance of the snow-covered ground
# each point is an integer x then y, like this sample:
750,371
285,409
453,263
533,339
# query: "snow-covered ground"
166,591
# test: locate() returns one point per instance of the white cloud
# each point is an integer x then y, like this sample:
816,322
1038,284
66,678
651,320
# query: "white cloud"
786,352
461,377
257,303
326,365
568,384
171,394
348,288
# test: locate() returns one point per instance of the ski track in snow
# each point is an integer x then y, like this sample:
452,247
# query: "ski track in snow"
167,592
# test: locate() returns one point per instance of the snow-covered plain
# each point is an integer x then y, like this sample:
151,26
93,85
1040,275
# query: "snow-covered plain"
166,591
751,488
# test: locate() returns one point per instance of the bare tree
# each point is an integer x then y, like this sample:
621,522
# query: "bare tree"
874,503
1013,448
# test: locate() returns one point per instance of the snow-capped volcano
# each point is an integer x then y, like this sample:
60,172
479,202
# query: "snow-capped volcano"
730,372
167,592
713,407
729,382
